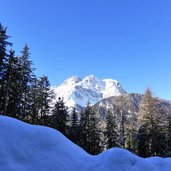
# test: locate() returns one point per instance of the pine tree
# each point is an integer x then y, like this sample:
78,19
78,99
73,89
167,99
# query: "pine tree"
143,147
44,98
59,117
131,129
111,131
161,122
121,112
26,73
95,135
74,127
15,94
168,135
35,103
10,86
22,95
90,132
4,45
84,125
131,134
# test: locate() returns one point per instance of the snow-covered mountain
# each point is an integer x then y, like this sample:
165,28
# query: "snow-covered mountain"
77,92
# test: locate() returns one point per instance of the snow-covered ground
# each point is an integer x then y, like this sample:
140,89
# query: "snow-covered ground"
25,147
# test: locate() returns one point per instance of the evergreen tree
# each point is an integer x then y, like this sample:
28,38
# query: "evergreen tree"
74,128
35,103
44,98
84,125
4,44
90,132
22,95
26,73
121,112
131,134
11,86
111,131
95,135
143,147
161,128
59,117
168,135
131,129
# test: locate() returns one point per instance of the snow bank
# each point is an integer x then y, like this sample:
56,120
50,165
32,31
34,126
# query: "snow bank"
25,147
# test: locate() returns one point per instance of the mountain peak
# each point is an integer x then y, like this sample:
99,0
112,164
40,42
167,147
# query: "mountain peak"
77,92
72,80
90,77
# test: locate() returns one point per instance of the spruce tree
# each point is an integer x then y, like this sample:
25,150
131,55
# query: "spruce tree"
4,45
168,135
90,133
44,98
96,146
131,134
131,130
121,112
111,131
35,103
161,128
74,127
59,118
143,148
11,85
26,73
84,125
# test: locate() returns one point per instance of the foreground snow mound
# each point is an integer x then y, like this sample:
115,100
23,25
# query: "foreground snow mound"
25,147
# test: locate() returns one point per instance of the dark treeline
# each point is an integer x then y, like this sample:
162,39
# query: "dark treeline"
28,98
146,133
22,94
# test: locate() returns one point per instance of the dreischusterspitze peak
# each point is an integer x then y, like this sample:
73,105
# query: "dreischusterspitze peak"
77,91
90,77
72,80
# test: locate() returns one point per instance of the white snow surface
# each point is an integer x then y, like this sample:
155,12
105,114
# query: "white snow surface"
77,92
25,147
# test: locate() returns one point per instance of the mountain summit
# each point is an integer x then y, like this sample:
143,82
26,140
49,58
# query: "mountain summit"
77,92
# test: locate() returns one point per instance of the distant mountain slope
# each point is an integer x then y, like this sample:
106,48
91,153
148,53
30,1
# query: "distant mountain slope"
77,92
131,104
25,147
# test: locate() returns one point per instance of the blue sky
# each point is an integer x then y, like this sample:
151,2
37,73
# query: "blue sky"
127,40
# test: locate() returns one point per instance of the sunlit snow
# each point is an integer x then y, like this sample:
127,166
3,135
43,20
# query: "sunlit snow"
78,92
24,147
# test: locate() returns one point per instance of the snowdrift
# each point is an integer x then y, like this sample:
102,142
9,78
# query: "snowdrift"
25,147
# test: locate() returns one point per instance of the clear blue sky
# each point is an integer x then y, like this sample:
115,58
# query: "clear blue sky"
127,40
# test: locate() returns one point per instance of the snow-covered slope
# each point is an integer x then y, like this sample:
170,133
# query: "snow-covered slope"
77,92
24,147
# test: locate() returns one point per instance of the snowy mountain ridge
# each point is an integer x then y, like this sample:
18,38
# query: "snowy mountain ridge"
77,92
